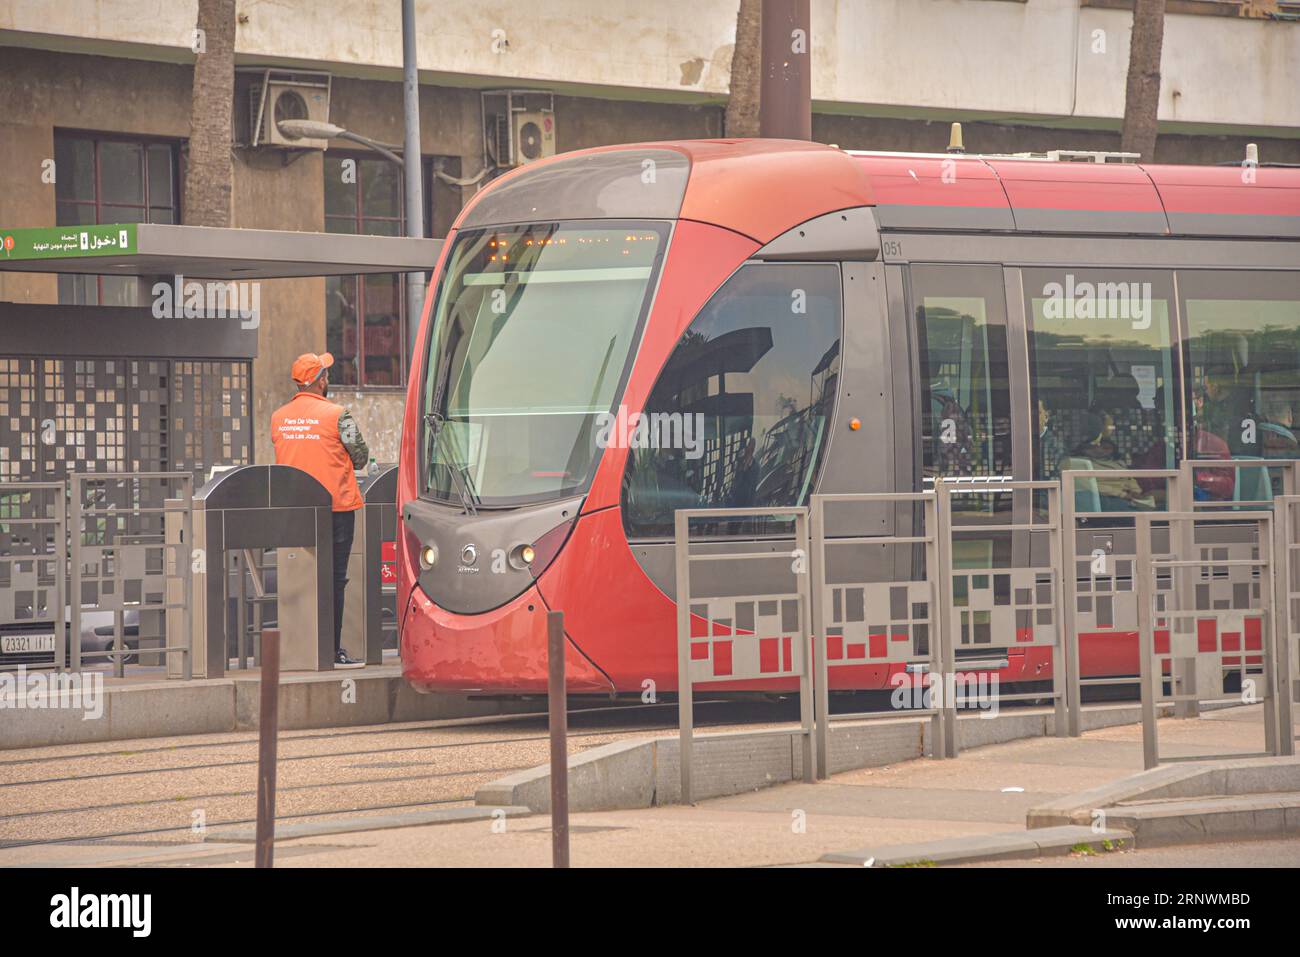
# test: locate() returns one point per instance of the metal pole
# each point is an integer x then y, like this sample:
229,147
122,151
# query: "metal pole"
267,733
821,670
413,169
806,679
685,703
1150,677
1283,533
74,600
785,98
944,633
1060,672
1069,544
556,694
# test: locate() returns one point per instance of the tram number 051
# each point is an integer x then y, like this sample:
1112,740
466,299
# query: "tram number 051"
892,249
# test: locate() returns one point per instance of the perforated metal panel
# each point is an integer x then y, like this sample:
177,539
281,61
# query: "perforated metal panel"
210,414
32,564
86,400
121,559
67,415
753,636
19,421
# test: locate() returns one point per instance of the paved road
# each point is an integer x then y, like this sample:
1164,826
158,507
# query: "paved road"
108,789
168,790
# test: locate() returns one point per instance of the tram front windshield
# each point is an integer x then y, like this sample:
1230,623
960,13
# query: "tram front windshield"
533,338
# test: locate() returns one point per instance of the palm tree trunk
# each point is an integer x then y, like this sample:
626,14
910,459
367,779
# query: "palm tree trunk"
1142,97
746,71
209,174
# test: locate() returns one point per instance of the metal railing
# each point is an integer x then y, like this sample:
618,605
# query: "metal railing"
121,559
33,573
1195,617
880,605
1012,598
725,637
1286,578
1129,555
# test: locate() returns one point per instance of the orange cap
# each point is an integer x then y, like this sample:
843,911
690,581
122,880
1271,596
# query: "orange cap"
308,367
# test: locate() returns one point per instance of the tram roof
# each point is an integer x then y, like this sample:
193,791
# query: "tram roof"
764,187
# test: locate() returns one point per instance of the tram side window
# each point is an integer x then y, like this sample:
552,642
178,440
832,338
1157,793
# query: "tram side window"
752,383
1243,361
965,397
1103,386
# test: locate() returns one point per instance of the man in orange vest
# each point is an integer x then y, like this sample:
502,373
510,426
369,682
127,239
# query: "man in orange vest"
313,434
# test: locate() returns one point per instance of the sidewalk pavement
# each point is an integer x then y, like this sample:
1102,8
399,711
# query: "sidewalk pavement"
985,790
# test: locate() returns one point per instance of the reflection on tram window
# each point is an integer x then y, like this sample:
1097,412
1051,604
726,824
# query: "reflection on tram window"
964,422
757,368
965,397
1243,361
1102,373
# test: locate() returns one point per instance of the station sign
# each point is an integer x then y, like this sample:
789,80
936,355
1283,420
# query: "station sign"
67,242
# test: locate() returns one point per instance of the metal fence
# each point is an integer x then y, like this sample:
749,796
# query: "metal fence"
1201,578
123,562
876,601
1286,577
730,628
1206,616
1004,593
33,573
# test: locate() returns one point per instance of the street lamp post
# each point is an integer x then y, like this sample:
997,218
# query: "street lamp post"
413,185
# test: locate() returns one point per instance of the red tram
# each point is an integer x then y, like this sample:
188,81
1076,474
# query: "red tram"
792,318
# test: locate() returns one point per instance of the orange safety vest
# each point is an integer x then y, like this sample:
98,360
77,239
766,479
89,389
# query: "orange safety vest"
305,433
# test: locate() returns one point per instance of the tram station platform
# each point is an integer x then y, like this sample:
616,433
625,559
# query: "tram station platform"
145,704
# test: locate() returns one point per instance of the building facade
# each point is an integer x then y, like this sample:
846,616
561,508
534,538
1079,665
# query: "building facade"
99,92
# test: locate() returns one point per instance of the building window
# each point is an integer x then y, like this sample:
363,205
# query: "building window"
106,179
365,316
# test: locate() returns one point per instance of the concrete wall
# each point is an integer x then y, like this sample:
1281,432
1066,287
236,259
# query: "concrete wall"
870,56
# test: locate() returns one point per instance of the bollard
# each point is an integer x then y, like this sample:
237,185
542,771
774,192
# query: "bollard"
267,734
556,696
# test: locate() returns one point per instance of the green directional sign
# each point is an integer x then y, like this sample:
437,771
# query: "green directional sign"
67,242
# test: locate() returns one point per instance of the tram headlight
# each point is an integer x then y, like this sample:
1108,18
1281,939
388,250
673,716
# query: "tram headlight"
521,556
428,555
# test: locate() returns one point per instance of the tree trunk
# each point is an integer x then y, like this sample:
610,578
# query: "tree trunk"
209,172
746,71
1142,97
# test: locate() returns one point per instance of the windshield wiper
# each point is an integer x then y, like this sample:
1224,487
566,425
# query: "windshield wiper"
434,422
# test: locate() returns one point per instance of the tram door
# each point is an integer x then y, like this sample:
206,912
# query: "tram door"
962,381
961,371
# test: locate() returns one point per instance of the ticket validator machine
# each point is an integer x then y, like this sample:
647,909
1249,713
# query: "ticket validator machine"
369,608
261,507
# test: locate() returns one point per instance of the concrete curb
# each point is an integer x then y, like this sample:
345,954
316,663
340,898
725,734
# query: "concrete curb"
1253,816
375,695
1235,777
378,822
645,772
1009,845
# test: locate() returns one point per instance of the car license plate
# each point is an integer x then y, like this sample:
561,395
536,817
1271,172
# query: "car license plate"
26,644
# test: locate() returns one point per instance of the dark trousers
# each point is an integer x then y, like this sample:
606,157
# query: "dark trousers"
345,526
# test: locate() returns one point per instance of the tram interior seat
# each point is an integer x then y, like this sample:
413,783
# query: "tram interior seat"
1087,498
1253,485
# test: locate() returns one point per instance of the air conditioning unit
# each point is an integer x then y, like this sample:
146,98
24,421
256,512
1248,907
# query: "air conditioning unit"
534,135
287,95
518,127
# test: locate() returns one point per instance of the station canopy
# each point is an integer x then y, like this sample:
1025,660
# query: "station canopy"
203,252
